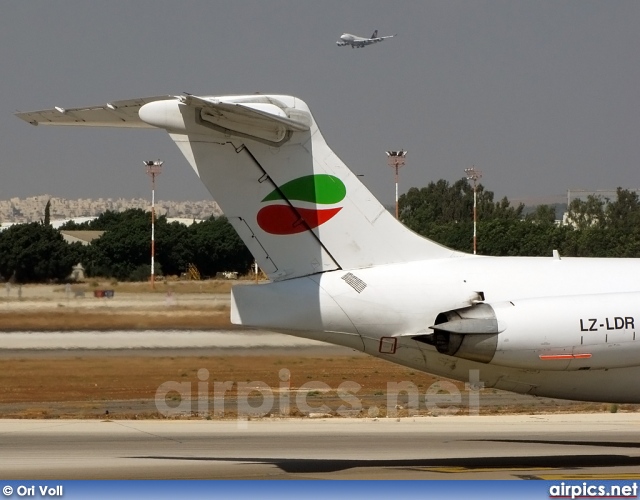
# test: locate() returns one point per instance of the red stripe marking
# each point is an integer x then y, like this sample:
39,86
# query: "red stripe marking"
564,356
283,219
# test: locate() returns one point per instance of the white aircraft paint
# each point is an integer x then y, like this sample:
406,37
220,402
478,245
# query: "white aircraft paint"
357,42
344,271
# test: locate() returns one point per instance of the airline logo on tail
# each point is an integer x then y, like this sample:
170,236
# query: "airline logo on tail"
295,206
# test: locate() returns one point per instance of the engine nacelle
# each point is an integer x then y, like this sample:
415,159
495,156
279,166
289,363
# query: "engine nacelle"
470,333
578,332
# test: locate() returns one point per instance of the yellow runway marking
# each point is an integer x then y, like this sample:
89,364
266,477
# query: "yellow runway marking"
612,475
457,470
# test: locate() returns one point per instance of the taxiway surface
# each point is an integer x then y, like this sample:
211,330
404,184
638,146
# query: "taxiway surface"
605,446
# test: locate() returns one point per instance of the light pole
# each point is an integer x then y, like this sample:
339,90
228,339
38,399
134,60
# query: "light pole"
473,174
154,168
396,159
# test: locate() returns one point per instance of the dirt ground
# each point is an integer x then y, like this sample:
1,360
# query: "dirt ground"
127,387
133,306
95,384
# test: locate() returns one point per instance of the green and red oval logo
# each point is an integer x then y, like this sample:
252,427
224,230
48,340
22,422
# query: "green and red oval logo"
316,190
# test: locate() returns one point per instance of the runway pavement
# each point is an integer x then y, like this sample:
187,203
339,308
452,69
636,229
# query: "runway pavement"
604,446
19,342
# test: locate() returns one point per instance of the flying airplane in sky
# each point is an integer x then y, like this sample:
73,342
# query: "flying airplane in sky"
343,270
357,42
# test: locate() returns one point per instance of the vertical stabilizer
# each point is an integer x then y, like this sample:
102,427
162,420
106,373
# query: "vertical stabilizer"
297,206
294,203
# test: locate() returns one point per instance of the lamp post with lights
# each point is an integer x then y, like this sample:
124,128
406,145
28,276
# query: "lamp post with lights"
154,168
396,159
473,174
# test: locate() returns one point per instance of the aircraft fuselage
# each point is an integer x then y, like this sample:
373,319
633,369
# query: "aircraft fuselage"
576,316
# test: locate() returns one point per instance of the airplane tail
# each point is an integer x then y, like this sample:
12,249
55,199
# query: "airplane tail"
294,203
375,34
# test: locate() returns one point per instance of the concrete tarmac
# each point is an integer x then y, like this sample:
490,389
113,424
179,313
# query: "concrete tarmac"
559,446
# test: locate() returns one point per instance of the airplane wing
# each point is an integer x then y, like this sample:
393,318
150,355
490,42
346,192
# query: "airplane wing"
371,41
380,38
113,114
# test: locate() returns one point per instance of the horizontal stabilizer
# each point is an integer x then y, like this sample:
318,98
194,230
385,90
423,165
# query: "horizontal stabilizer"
113,114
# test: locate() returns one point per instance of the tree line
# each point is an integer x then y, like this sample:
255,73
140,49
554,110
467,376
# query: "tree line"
36,252
595,227
441,211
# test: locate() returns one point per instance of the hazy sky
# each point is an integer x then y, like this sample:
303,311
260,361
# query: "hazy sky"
541,96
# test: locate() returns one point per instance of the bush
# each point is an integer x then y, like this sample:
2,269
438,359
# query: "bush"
143,272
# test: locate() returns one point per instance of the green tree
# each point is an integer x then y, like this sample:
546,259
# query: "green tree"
217,247
174,248
444,212
440,203
47,213
31,253
124,250
624,213
588,213
85,255
522,237
124,246
543,214
606,228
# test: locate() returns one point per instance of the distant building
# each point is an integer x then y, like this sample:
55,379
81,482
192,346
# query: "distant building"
32,209
57,224
605,195
82,237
